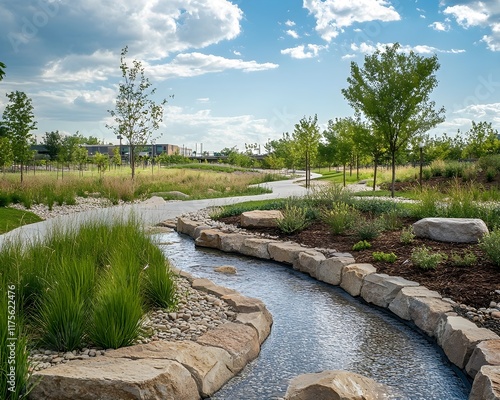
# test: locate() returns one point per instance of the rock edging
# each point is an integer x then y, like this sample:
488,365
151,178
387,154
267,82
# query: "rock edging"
166,370
467,346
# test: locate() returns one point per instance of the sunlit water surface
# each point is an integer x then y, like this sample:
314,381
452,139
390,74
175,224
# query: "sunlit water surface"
319,327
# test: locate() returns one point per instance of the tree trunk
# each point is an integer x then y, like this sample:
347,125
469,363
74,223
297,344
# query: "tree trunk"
393,165
375,174
22,170
344,174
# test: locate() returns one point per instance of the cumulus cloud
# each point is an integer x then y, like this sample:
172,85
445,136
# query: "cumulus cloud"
195,64
440,26
475,13
289,23
304,51
292,33
334,15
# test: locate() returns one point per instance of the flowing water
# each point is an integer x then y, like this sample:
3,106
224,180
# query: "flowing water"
319,327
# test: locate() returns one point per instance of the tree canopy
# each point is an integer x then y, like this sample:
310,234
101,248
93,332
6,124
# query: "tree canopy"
19,121
2,70
392,90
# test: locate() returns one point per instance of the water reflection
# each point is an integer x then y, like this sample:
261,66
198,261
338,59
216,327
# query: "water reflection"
319,327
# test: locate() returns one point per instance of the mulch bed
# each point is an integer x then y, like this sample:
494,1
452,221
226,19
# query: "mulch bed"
474,286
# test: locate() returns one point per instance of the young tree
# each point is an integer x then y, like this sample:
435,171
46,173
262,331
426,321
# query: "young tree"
117,158
102,161
340,135
136,115
482,140
19,121
306,136
393,90
80,157
6,155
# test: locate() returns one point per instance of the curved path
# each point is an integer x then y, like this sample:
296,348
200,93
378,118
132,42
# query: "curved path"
150,212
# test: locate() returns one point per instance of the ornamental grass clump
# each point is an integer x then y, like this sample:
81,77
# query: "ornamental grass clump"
424,258
407,235
490,244
340,218
294,219
368,229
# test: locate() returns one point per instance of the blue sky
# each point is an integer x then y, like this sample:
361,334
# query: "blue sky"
241,71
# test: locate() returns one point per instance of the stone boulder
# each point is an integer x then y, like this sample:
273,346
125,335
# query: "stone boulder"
340,385
106,378
486,386
353,276
485,353
231,242
208,238
381,289
256,247
330,269
459,337
209,366
260,218
187,226
459,230
309,262
239,340
285,252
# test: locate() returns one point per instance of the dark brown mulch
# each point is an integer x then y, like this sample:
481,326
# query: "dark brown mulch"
474,286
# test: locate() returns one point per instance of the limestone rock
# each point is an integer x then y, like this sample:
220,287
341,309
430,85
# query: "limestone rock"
406,296
486,386
208,238
106,378
244,304
485,353
209,366
225,269
231,242
240,341
353,276
208,286
186,226
459,338
460,230
261,321
285,252
309,262
381,289
330,269
341,385
256,247
260,218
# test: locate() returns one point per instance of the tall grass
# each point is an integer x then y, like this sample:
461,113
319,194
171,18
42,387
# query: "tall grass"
90,285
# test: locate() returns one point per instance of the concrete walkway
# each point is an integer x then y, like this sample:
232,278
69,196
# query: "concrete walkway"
150,212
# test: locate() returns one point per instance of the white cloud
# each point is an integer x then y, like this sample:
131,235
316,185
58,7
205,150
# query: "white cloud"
195,64
366,48
348,56
236,53
304,51
440,26
334,15
290,23
292,33
484,14
468,16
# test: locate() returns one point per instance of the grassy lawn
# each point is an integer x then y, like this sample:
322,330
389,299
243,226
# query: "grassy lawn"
11,219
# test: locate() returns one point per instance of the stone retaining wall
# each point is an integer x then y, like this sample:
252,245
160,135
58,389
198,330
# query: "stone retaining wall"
472,349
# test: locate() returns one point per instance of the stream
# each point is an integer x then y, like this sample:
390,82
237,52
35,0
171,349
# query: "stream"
319,327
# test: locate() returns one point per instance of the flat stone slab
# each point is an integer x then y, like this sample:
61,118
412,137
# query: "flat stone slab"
458,230
353,276
260,218
285,252
381,289
210,366
107,378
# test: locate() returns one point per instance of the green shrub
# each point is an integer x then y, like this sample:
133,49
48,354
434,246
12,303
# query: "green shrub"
453,169
491,173
361,245
368,229
5,199
407,235
424,258
467,259
437,168
294,219
391,220
380,256
325,195
490,244
340,218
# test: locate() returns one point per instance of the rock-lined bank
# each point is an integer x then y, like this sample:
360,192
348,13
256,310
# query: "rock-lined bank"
165,369
459,338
